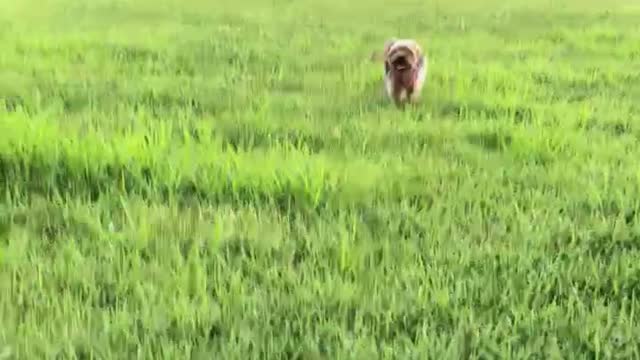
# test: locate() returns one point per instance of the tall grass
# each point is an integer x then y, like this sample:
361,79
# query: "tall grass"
198,180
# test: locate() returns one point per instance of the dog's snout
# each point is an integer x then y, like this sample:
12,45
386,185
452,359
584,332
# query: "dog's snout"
401,63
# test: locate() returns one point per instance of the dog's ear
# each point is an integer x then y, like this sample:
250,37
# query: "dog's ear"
388,44
418,50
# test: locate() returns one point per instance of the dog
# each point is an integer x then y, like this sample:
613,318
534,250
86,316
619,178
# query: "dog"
405,70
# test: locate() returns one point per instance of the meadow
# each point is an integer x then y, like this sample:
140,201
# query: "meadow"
214,180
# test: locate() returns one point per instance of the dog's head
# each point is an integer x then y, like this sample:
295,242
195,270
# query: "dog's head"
403,54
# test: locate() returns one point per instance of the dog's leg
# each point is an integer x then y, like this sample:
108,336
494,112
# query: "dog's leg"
400,96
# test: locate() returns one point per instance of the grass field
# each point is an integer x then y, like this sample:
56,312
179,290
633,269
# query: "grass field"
208,181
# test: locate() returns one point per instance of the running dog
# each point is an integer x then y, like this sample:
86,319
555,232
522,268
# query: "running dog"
405,70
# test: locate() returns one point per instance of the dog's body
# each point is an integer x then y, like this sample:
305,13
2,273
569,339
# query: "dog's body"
405,70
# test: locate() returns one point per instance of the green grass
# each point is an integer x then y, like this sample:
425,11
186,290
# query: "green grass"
215,181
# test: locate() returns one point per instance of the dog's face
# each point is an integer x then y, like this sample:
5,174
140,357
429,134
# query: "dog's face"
402,55
404,69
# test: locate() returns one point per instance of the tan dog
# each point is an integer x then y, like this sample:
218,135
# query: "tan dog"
405,70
